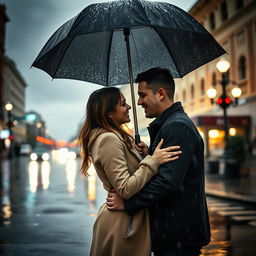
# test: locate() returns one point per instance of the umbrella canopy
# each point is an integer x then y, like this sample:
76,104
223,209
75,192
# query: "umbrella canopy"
110,43
91,46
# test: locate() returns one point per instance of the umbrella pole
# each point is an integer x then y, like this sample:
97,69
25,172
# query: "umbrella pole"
126,38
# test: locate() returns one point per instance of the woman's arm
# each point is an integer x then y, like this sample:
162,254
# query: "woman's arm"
111,156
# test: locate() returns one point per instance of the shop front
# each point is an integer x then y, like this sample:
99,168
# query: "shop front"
211,129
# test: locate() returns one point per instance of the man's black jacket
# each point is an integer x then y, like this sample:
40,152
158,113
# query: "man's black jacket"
175,196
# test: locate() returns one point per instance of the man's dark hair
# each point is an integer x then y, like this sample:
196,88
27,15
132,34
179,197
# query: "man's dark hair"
157,78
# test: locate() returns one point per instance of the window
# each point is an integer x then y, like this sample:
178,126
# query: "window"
242,67
202,87
224,11
184,95
214,79
192,91
212,21
239,4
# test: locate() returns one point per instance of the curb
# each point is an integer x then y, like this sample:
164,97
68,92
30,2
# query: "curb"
246,199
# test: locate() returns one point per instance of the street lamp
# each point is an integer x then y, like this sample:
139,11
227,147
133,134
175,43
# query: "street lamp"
224,101
9,108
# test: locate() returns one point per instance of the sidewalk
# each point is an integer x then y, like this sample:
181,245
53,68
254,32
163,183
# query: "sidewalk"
241,190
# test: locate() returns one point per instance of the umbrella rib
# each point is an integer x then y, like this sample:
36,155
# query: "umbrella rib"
167,49
62,57
108,54
144,10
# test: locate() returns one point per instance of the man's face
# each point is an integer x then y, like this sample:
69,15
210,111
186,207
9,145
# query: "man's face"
148,100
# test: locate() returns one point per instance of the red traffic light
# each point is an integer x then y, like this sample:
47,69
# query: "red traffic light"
11,137
219,101
224,102
228,100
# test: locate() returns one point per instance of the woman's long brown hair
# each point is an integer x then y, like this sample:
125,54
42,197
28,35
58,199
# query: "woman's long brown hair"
100,104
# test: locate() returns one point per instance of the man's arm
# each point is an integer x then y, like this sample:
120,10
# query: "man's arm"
171,175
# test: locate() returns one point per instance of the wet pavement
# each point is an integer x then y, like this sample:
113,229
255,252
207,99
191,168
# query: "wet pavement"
241,189
48,208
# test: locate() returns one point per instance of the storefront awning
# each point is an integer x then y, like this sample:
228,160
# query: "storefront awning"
218,121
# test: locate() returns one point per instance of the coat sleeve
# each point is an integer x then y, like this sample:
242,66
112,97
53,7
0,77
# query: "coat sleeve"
111,157
170,177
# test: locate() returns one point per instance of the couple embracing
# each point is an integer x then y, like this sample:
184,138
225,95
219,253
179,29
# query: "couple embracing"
156,200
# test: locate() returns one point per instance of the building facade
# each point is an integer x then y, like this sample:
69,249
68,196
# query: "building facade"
3,20
233,24
14,92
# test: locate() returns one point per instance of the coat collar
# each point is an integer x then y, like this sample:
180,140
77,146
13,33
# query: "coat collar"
97,131
166,113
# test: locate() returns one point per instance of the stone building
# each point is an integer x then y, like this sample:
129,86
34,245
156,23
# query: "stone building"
233,24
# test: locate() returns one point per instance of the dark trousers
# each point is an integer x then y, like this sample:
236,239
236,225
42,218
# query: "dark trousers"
178,252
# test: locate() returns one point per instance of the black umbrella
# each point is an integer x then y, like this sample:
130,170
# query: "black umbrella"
110,43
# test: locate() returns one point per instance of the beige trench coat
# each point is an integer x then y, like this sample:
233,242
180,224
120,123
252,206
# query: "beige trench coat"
115,233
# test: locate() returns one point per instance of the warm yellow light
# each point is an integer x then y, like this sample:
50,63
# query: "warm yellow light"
213,134
223,65
33,171
236,92
9,106
45,172
71,170
201,134
71,155
38,125
211,93
232,131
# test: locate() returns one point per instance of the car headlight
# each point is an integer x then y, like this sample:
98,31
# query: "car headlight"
33,156
71,155
45,156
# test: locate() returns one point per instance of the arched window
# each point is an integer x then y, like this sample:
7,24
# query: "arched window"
184,95
239,4
192,91
212,21
202,87
214,79
242,67
224,11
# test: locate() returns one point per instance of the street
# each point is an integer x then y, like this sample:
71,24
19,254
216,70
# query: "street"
48,208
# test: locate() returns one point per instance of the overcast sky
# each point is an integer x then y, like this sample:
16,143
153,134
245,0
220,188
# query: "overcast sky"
60,102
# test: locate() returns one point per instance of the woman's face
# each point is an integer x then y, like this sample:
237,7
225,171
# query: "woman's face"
121,115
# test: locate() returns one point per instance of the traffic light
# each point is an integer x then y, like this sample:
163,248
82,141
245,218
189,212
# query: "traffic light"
224,102
11,137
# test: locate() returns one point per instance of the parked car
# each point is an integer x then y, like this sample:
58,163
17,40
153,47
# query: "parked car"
25,149
40,153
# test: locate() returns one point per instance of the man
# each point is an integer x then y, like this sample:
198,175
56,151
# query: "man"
175,196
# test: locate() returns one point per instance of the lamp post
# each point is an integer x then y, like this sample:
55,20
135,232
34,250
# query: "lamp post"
223,100
9,108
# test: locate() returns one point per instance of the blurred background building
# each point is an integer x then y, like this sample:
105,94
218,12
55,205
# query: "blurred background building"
16,126
14,88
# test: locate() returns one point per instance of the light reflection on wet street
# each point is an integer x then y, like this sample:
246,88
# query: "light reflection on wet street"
48,208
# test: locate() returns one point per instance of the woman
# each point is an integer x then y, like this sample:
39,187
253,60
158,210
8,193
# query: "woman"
119,166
